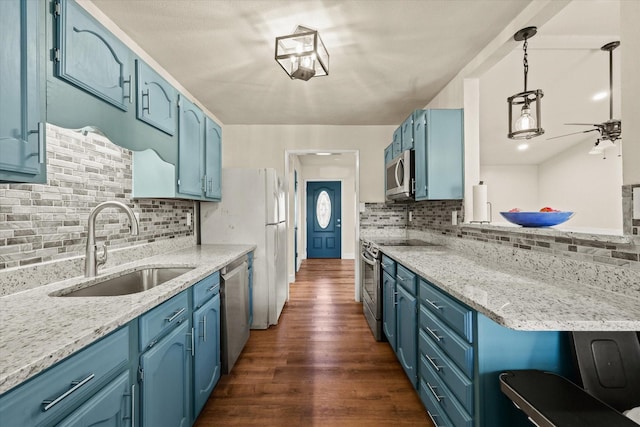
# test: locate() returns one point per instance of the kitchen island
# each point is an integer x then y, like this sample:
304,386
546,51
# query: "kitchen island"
39,330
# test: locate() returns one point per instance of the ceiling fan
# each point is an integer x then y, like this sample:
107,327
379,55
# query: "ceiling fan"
611,129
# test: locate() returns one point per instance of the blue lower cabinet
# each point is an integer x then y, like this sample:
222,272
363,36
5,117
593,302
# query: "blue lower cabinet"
206,361
111,407
389,308
165,380
407,337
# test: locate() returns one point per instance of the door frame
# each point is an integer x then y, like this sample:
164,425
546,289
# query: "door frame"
289,156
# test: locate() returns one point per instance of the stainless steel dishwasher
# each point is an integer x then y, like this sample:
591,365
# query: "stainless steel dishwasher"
234,298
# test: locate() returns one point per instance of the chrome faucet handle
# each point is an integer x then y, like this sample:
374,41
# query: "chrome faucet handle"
101,260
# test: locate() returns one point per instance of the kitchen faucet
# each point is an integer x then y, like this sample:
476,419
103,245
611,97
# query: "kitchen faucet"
92,261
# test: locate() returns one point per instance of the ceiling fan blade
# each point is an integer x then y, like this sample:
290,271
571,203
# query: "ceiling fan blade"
572,133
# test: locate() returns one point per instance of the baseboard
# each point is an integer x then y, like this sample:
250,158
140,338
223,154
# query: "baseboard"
350,255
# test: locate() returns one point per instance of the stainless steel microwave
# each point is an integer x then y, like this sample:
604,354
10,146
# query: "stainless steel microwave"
400,177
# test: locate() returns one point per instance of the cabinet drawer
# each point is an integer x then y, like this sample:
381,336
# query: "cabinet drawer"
454,379
460,351
205,289
388,265
406,278
445,399
161,319
437,414
447,309
67,383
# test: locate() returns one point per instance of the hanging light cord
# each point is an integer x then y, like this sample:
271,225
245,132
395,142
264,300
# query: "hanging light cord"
525,62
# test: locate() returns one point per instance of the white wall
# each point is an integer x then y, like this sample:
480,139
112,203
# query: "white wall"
264,146
511,186
630,46
586,184
348,202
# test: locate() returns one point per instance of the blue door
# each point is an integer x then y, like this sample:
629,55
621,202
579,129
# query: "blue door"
324,218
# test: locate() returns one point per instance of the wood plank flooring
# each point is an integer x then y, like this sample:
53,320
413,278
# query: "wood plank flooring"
320,366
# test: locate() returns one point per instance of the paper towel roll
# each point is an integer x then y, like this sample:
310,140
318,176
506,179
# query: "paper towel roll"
480,206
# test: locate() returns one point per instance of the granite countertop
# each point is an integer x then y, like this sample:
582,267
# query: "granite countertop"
39,330
519,299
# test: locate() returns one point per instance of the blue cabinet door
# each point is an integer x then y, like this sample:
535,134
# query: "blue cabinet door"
388,154
165,381
206,368
407,336
110,407
190,148
155,100
439,155
22,138
396,143
389,308
420,148
91,57
213,160
407,133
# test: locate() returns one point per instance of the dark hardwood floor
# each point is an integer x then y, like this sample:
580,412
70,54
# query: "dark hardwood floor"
320,366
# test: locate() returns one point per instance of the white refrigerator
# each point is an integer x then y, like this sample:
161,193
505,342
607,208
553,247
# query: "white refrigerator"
252,211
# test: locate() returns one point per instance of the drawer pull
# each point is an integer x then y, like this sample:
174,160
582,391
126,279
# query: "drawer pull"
433,419
48,404
433,363
211,288
433,334
433,304
176,314
433,391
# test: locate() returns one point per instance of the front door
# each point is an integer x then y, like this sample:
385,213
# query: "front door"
324,220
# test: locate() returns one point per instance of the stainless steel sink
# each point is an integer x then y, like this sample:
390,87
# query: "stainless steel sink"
136,281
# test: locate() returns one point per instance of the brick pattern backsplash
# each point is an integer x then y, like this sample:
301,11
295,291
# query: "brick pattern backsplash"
436,216
49,222
380,216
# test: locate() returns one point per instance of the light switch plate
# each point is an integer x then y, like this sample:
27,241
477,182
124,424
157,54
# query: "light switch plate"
188,219
636,203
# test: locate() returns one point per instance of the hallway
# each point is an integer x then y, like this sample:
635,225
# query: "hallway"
320,366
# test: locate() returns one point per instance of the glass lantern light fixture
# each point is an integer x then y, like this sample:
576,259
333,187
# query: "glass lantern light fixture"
302,55
528,123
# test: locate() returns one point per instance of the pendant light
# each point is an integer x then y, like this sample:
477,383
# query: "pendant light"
528,124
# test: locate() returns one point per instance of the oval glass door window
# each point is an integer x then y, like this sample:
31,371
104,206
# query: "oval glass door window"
323,209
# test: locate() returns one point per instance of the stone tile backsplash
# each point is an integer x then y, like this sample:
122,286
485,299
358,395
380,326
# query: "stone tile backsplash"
41,223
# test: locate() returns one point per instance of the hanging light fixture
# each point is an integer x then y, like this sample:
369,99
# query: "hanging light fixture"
302,55
528,124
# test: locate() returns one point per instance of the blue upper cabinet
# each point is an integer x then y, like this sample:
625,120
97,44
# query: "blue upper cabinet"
190,149
407,133
92,58
388,154
156,99
396,144
213,160
439,154
22,101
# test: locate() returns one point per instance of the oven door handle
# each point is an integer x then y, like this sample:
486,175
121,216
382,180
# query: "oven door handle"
367,260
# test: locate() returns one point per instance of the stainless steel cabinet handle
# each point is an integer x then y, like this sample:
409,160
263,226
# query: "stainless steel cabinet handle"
211,288
130,83
433,391
40,132
433,363
176,314
76,385
433,304
433,419
433,334
145,94
193,342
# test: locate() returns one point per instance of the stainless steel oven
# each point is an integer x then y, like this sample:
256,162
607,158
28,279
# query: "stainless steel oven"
371,288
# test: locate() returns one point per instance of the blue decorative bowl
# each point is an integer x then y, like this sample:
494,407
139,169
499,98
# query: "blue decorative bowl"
537,219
